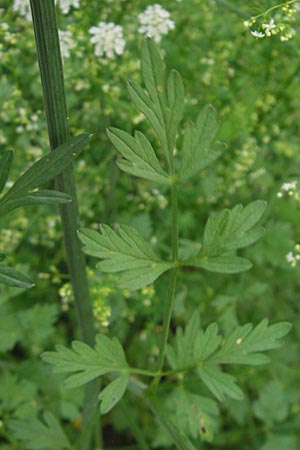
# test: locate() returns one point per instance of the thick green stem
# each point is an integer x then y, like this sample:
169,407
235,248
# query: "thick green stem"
50,63
172,284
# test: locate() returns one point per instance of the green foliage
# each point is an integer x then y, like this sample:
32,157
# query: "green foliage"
204,350
124,251
36,434
226,232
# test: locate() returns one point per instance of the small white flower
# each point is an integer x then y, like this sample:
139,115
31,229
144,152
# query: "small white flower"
290,257
257,34
289,186
65,5
108,39
155,22
66,43
23,8
268,27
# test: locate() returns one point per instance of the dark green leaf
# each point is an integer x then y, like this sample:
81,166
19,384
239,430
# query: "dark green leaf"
5,165
12,277
45,197
47,167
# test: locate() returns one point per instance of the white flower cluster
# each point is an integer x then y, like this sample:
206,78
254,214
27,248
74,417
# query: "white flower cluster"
289,188
155,22
108,39
292,258
65,5
23,7
66,43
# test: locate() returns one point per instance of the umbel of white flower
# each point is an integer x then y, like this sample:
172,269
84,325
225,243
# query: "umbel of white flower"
23,7
108,39
155,22
66,43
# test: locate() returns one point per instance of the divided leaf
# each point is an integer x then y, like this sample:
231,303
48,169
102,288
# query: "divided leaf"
197,149
140,158
163,103
87,363
124,251
204,351
227,231
38,435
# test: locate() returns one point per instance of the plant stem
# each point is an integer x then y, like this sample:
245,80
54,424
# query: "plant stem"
172,283
51,71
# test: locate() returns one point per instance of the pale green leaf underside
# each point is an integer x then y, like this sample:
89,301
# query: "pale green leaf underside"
204,351
86,363
124,251
140,158
113,393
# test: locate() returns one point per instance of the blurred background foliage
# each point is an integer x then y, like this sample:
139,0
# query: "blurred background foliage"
254,85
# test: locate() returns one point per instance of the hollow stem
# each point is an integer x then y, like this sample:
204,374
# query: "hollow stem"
51,71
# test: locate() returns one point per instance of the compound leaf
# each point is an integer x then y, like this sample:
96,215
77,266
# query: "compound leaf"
243,345
87,363
113,393
38,435
124,251
224,233
221,384
204,351
140,158
197,150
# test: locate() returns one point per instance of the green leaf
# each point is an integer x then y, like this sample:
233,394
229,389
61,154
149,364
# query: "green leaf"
113,393
47,167
203,352
12,277
197,150
124,251
145,106
179,437
5,165
140,158
244,343
164,102
87,363
38,435
224,233
195,415
224,264
273,404
47,197
221,384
